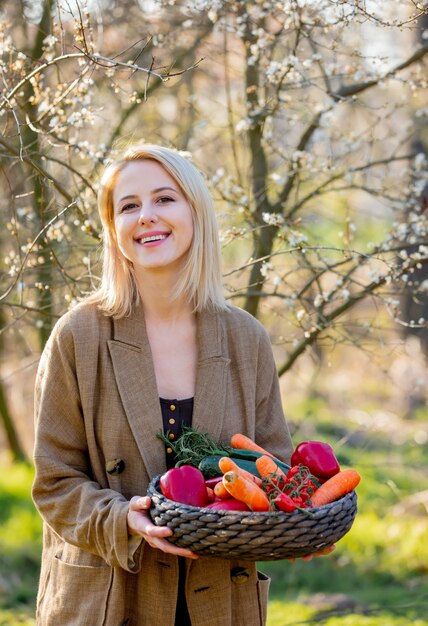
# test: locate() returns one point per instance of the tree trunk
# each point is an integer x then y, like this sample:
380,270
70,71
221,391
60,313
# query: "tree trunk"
40,191
14,444
263,246
12,437
263,237
415,305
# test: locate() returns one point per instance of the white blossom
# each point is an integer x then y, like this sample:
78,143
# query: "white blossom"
295,238
265,268
318,300
273,219
420,161
50,41
243,125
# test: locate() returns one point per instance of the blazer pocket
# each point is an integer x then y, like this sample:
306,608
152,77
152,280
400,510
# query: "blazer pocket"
76,556
77,594
263,584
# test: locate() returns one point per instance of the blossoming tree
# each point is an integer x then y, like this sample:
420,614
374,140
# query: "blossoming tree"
303,114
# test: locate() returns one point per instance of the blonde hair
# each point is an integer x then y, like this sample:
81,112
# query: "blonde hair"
201,281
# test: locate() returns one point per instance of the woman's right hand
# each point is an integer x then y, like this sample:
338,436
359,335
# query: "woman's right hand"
139,523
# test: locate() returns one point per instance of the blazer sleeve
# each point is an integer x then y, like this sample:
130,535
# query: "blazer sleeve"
68,499
272,432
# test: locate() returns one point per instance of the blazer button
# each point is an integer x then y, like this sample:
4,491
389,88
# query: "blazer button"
115,467
239,575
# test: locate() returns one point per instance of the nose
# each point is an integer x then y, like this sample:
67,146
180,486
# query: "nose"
147,214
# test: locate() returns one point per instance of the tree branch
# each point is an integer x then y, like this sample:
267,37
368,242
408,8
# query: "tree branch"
94,58
353,90
39,169
314,333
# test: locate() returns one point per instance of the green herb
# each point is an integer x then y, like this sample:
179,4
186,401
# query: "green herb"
193,445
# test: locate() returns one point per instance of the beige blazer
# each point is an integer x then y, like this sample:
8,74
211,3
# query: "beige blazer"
96,403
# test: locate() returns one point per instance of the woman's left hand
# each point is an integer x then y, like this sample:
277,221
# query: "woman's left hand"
323,552
139,523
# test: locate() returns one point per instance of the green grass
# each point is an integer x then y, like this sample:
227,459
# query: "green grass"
378,575
13,618
20,546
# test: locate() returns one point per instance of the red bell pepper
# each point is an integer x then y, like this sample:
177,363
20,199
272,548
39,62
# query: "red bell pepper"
185,484
318,457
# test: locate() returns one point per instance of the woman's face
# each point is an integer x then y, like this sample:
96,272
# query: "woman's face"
152,218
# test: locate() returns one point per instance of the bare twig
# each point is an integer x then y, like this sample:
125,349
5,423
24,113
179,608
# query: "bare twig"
39,169
351,170
18,126
30,248
94,58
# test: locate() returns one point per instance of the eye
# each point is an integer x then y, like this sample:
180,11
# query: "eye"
164,199
128,207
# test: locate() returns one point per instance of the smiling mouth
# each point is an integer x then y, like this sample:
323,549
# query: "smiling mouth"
152,238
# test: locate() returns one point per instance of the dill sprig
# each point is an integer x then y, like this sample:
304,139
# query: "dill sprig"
193,445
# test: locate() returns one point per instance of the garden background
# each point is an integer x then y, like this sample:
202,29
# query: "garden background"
310,121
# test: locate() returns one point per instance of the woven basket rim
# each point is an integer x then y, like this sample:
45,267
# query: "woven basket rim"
311,511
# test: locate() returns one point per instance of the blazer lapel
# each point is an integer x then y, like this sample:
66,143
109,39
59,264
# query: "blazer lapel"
209,405
134,372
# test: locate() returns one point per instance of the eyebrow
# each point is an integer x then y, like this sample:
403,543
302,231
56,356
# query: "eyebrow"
159,189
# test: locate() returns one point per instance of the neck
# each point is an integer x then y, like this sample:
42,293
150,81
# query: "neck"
156,292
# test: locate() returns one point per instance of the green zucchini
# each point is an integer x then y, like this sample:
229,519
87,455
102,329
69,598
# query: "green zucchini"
251,455
209,465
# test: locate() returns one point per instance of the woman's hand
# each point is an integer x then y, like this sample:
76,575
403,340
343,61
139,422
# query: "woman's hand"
139,523
323,552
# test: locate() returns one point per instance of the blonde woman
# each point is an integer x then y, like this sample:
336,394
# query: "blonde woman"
154,347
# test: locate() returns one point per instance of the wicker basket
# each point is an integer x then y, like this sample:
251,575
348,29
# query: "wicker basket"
252,536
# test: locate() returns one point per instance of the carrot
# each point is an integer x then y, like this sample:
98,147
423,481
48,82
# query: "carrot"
246,491
221,492
267,467
242,442
226,464
336,487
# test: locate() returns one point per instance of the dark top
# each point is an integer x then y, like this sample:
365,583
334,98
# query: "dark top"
175,413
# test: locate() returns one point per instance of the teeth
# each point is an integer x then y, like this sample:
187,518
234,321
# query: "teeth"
153,238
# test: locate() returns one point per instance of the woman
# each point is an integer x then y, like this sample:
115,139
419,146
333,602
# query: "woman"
155,345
